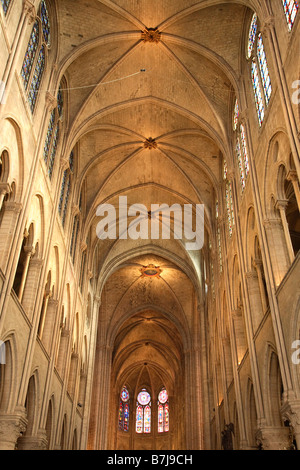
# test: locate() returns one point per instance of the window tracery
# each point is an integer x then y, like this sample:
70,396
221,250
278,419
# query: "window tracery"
124,410
260,76
5,5
34,62
228,199
291,8
163,411
143,413
53,133
66,189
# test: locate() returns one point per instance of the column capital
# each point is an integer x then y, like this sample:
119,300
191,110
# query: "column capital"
75,209
51,101
281,204
13,206
268,24
64,163
11,428
5,188
237,313
268,223
29,10
292,175
257,263
251,275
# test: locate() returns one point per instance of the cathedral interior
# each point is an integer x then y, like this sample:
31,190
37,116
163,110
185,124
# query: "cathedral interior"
136,342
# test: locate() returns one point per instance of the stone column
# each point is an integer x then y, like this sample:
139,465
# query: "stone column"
62,352
239,333
11,428
43,314
39,442
7,229
49,323
254,298
290,411
259,269
281,205
73,373
293,177
4,189
29,252
273,438
102,389
277,250
31,287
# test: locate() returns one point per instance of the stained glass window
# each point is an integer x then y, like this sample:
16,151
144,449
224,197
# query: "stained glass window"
67,196
124,410
229,206
147,419
52,137
36,79
219,249
143,413
228,199
257,93
236,114
30,54
252,35
5,5
65,190
163,411
53,151
264,71
291,8
62,192
241,150
139,419
60,102
240,163
33,63
74,238
245,150
225,170
45,22
261,80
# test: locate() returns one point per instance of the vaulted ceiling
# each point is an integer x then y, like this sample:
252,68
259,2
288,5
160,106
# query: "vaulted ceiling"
141,69
151,89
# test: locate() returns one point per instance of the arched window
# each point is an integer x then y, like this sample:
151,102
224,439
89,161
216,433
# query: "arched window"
53,133
245,149
66,189
163,411
143,413
36,79
260,108
291,8
124,410
252,35
82,270
74,238
5,5
236,115
264,71
229,200
76,227
219,247
34,63
260,76
241,147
